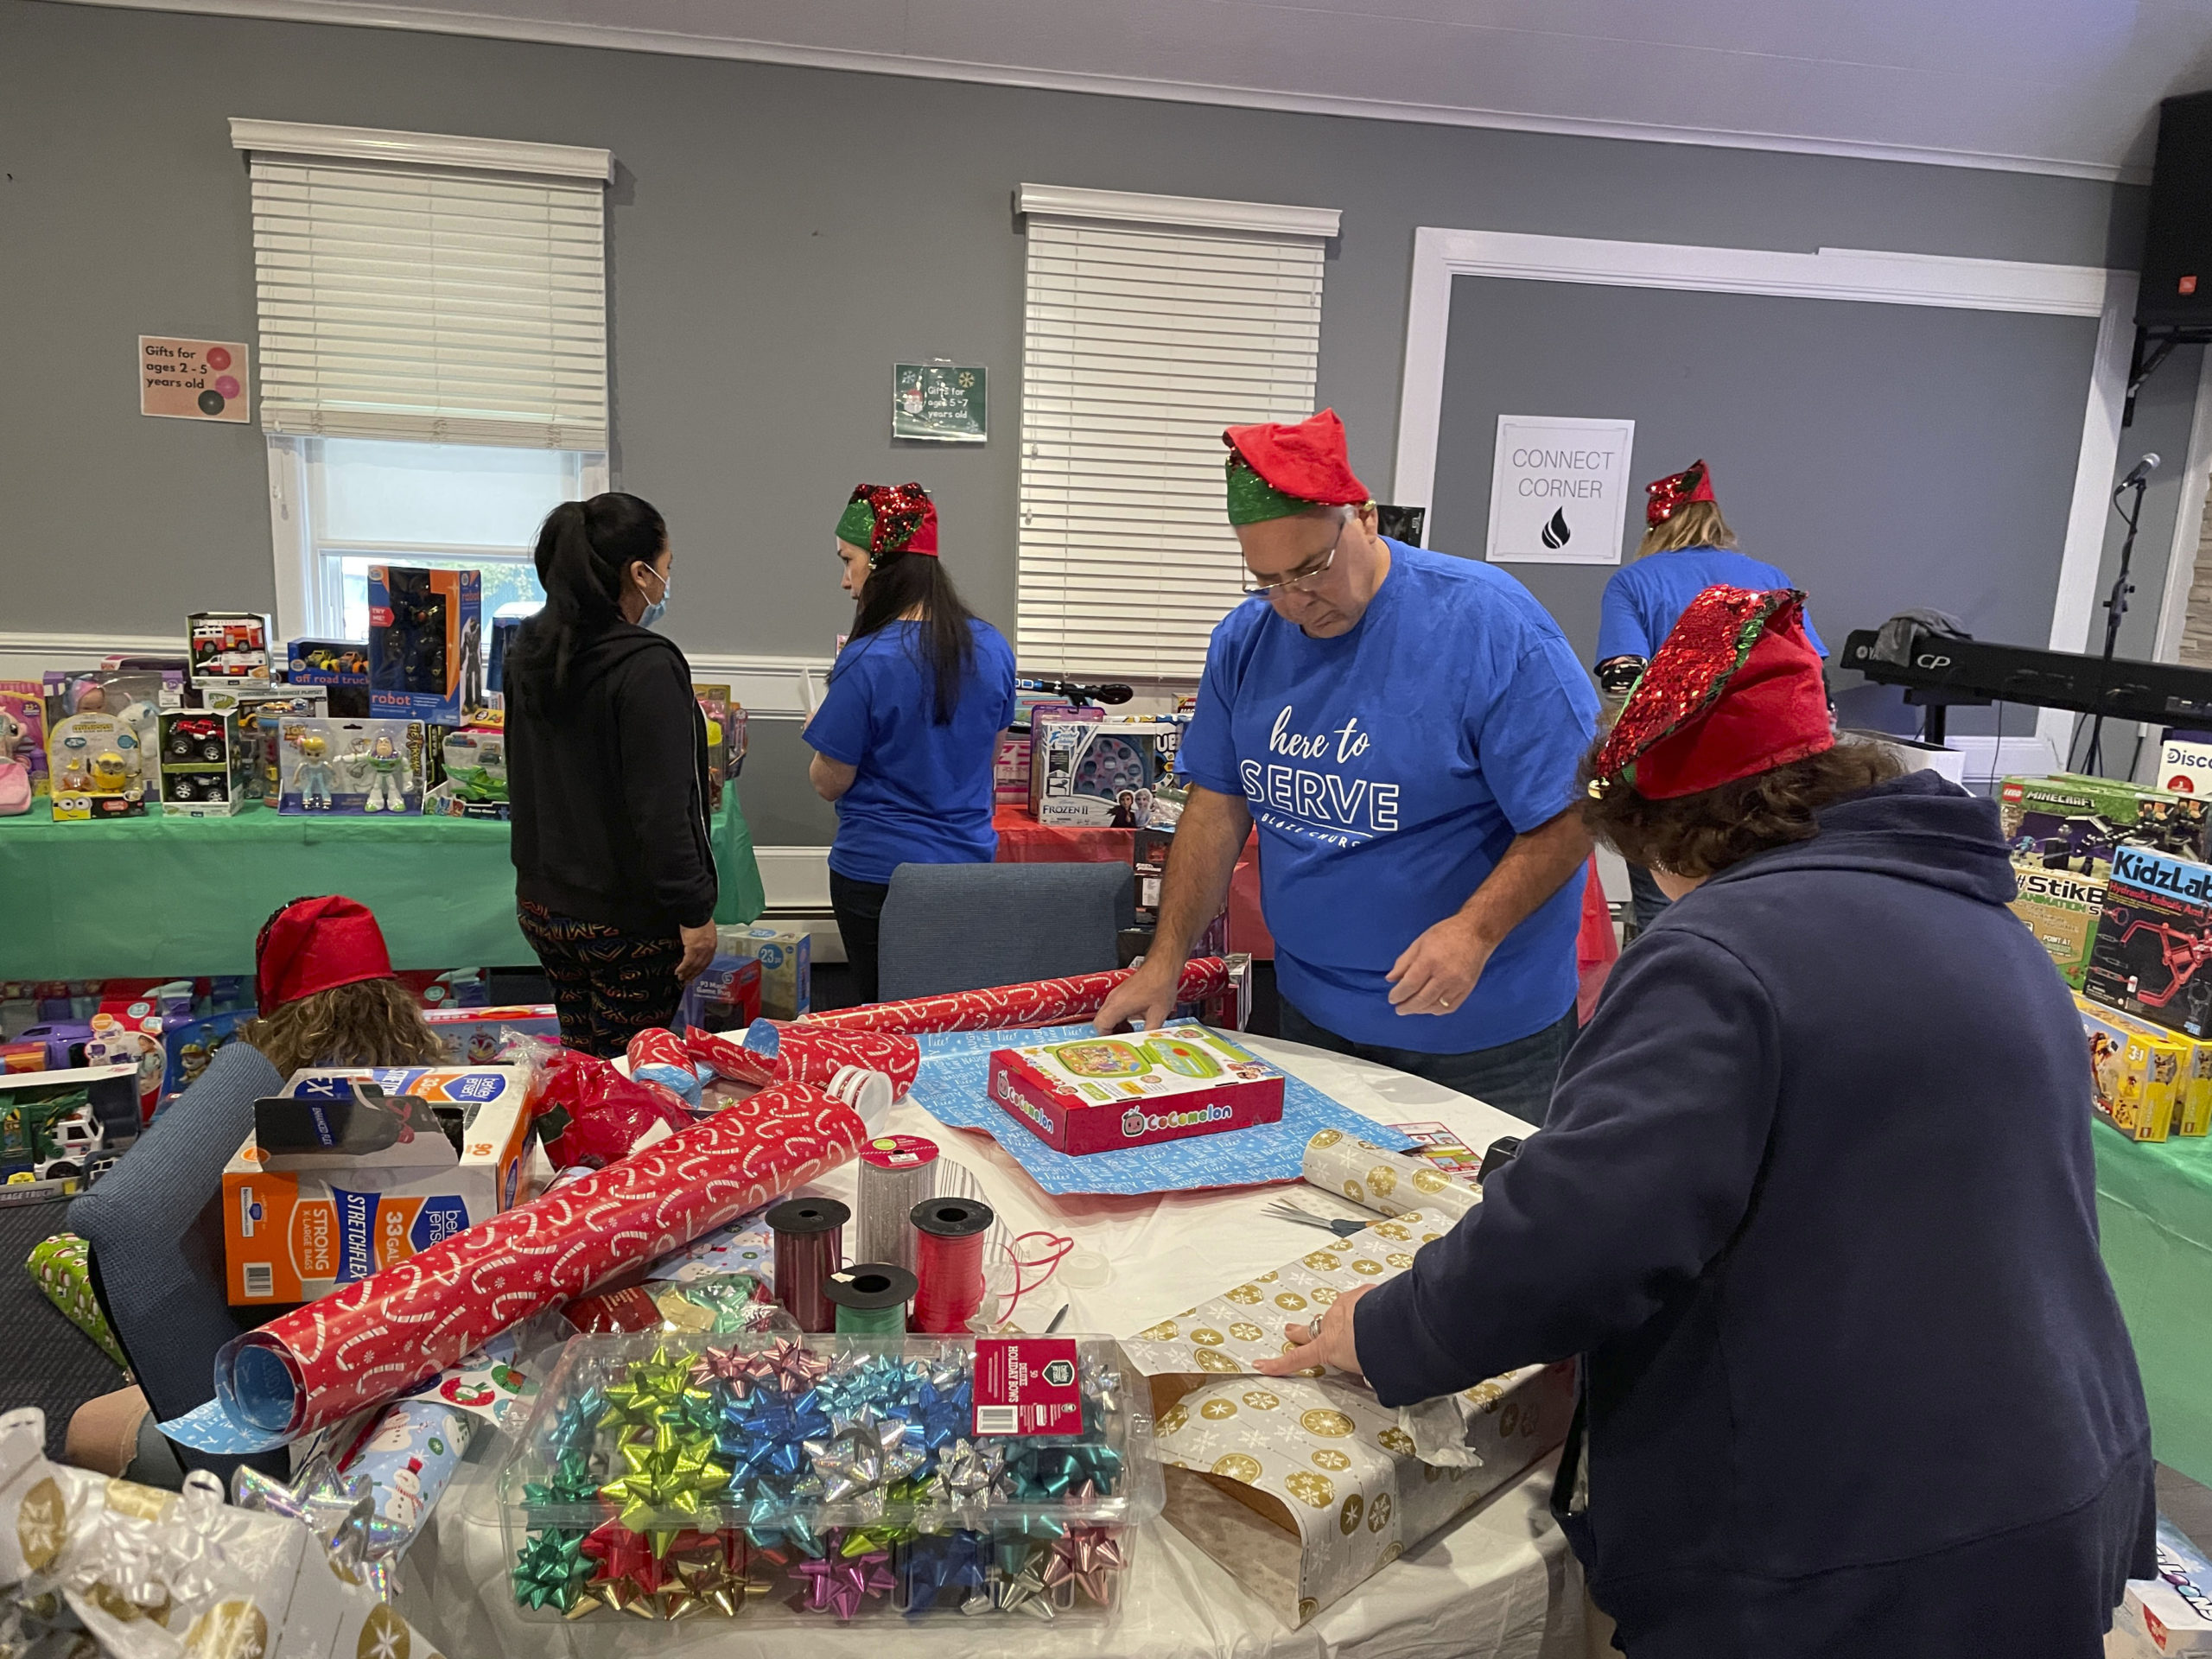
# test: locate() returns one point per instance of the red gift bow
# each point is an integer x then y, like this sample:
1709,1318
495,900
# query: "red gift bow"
1041,1002
362,1344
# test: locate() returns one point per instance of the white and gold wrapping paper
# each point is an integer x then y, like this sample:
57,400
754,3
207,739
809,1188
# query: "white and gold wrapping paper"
1390,1183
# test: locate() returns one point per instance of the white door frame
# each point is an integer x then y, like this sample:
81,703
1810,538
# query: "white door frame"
1439,255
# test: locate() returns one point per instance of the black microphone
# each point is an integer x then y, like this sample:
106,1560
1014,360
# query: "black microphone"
2144,468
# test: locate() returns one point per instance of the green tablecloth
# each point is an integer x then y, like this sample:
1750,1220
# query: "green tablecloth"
2154,1205
177,896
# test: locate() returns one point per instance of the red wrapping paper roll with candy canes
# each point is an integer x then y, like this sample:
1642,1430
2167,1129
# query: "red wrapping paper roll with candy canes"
361,1345
1040,1002
805,1053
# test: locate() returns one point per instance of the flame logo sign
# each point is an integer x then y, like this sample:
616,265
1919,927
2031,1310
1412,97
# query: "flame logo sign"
1556,534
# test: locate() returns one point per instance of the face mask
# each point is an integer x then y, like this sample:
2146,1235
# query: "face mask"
651,616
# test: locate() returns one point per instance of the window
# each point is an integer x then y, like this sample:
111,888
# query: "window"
1152,323
433,346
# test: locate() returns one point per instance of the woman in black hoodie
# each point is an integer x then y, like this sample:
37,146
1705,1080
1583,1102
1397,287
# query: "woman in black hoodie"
606,770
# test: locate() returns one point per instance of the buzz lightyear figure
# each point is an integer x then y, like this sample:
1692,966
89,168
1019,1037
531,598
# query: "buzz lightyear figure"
388,777
314,775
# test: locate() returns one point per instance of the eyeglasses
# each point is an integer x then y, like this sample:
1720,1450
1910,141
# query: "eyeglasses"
1304,581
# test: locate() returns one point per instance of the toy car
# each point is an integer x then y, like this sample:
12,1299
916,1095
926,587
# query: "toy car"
75,1140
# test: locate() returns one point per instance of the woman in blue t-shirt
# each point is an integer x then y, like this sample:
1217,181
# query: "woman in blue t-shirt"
1688,548
905,737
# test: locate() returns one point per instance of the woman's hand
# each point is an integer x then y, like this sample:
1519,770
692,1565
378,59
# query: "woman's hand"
1327,1341
698,951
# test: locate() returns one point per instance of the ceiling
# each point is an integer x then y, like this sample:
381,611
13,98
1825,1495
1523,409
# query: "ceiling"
2066,86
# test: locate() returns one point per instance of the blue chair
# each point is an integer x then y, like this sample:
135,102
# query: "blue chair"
962,927
156,1238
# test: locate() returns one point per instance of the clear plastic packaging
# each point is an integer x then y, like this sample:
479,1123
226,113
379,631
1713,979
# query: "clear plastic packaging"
683,1475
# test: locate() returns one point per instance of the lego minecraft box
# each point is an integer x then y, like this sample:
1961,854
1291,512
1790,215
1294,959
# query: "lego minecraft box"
2070,823
2152,954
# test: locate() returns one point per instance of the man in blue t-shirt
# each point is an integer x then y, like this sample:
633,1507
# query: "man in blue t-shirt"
1404,728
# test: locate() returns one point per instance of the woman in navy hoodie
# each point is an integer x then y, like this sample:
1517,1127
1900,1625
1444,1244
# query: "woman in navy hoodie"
1815,1204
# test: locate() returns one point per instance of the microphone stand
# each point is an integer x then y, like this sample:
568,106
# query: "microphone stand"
2115,608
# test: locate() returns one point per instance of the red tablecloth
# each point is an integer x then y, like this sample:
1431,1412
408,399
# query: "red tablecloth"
1022,840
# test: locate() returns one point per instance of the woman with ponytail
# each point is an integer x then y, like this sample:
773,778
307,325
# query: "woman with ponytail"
906,736
607,769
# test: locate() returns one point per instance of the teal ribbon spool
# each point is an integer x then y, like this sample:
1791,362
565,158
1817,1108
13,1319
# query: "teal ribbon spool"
871,1299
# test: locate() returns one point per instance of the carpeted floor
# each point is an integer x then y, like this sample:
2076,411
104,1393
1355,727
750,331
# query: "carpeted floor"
48,1362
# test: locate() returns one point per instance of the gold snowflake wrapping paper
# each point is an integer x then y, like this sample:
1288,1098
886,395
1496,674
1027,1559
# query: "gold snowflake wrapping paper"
1390,1183
152,1574
1305,1488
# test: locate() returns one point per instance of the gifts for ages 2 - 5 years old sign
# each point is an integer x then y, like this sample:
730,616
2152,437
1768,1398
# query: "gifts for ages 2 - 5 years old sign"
1558,490
194,379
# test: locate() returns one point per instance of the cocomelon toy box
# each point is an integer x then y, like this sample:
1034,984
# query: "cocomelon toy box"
349,766
2152,954
339,1180
2068,823
1096,1094
426,644
1105,773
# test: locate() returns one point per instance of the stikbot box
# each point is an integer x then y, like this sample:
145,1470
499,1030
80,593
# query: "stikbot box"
1097,1094
2061,909
350,1171
2152,954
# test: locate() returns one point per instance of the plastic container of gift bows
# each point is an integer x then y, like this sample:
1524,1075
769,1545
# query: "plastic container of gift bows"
837,1478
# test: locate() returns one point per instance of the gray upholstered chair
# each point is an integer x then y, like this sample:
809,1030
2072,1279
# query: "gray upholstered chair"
961,927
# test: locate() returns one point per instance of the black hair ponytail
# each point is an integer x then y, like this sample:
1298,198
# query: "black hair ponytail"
945,643
583,547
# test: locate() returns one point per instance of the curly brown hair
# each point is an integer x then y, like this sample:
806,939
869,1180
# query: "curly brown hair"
370,1022
1703,834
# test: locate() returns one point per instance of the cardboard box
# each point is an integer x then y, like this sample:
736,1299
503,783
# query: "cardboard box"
1086,769
2136,1070
349,767
1304,1488
35,1106
2070,823
1098,1094
2061,909
208,767
2192,1107
2172,1613
725,996
2185,768
426,652
2152,954
225,647
786,958
471,1036
331,1187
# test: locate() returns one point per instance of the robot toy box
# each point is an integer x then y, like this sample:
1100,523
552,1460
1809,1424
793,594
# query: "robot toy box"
228,648
426,653
2152,954
2061,910
102,768
2137,1071
1098,1094
340,1177
2067,822
351,767
209,768
1106,774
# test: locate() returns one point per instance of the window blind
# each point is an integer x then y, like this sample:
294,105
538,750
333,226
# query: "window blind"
1141,342
438,305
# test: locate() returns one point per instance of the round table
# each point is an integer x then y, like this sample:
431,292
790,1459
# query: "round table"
1500,1580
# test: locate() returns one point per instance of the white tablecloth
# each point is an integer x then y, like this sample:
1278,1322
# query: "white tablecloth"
1498,1581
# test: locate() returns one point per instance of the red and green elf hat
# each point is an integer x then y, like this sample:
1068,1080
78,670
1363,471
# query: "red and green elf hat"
1675,491
1276,470
1733,691
888,519
315,945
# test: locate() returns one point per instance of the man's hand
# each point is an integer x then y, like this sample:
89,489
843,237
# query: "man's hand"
1147,996
1327,1341
1435,972
698,951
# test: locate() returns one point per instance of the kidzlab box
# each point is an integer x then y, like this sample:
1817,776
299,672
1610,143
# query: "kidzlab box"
1099,1093
332,1186
2152,954
426,656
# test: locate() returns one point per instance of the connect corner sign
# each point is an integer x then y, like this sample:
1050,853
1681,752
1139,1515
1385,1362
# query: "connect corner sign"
1558,490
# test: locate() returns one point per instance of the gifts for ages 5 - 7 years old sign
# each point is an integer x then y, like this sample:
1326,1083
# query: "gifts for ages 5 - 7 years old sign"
1558,490
194,379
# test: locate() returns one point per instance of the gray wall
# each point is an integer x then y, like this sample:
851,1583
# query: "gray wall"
778,237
